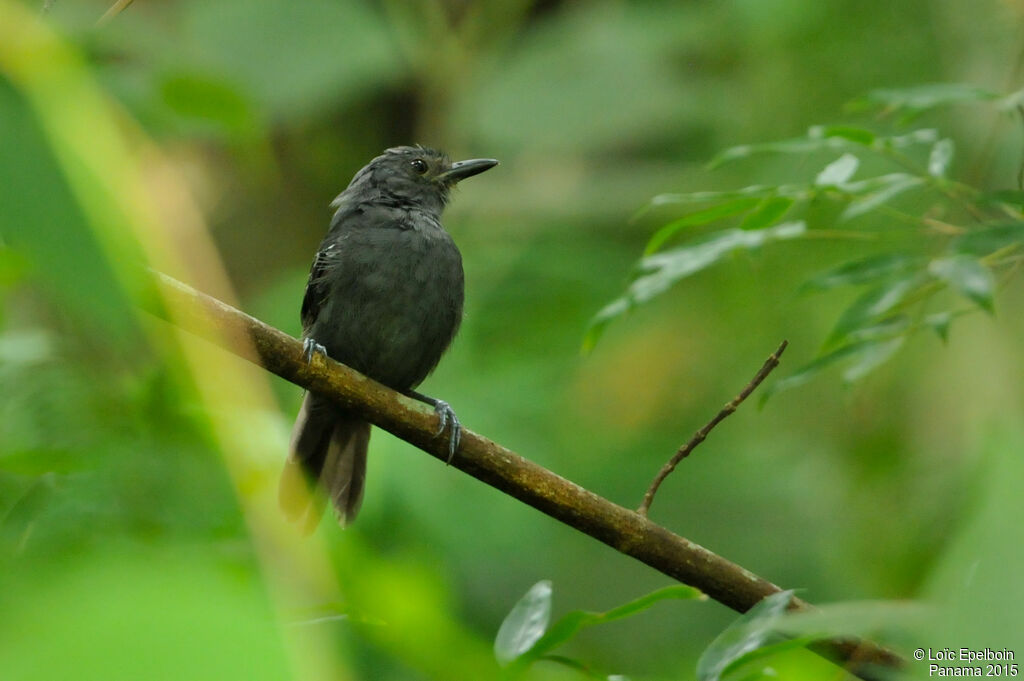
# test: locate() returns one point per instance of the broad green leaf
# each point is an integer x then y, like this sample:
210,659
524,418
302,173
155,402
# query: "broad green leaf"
873,305
525,624
864,270
767,212
838,172
940,157
968,277
741,668
872,355
45,223
571,623
988,239
749,632
660,270
893,187
912,101
702,217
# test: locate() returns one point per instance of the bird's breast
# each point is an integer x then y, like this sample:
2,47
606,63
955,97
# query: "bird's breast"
394,303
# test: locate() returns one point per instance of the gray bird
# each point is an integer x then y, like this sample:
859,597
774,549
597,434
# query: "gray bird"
384,297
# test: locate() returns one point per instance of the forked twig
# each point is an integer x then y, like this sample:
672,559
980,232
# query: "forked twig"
701,434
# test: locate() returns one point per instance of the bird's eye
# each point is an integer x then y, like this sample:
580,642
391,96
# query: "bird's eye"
419,165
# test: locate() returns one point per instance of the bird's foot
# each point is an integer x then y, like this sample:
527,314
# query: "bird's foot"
310,347
446,420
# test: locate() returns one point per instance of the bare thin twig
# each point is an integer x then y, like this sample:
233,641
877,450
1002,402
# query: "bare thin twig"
114,10
493,464
701,434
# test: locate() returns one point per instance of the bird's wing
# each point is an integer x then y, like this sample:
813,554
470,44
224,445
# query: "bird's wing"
316,286
346,218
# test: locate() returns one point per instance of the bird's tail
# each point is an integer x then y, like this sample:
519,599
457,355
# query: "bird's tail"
327,460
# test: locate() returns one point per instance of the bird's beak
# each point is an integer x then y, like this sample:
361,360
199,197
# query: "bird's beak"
463,169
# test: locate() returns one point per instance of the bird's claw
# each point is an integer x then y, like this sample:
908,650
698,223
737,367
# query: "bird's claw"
310,347
446,419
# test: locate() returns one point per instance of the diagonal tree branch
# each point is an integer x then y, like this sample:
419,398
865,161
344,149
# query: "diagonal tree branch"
624,530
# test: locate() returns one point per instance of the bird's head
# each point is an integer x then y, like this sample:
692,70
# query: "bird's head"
412,176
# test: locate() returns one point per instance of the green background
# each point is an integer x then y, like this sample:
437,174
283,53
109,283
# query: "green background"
124,550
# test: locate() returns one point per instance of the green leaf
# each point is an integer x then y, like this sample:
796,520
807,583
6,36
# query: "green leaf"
1013,197
748,633
702,217
661,270
812,369
939,322
968,277
525,624
883,330
857,618
767,212
913,101
664,269
873,305
989,239
856,135
837,172
891,186
25,347
1012,101
756,191
740,668
827,138
862,271
572,623
912,138
798,145
873,354
600,321
940,158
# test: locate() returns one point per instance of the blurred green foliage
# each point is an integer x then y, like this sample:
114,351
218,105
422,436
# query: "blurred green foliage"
963,237
129,544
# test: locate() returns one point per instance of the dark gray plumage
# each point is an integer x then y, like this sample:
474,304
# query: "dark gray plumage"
384,297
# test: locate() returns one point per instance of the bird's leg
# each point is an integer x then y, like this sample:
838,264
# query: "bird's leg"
446,419
310,347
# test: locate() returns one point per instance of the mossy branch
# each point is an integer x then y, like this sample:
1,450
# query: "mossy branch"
623,529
